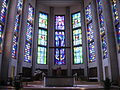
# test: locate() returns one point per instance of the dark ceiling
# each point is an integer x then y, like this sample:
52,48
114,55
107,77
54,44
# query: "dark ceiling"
59,3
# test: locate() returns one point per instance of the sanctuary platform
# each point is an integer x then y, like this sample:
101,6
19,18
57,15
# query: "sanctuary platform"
79,85
59,81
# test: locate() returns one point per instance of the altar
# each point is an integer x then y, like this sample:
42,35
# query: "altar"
59,81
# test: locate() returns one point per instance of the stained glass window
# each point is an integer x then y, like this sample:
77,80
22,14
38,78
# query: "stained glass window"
100,6
115,11
1,33
19,5
42,37
27,53
1,36
3,10
102,27
117,27
92,56
104,47
88,13
76,20
78,58
14,47
59,56
17,23
29,32
59,22
77,37
116,20
30,14
16,28
90,32
102,30
59,38
41,59
43,20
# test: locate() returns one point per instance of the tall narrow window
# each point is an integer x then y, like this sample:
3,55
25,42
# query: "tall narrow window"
1,37
59,24
116,21
29,35
14,46
78,59
77,38
16,29
90,34
3,10
43,20
42,39
102,29
27,55
59,40
4,5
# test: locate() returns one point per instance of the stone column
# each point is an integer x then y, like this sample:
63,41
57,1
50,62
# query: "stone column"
68,41
51,41
112,63
97,42
22,38
6,58
84,38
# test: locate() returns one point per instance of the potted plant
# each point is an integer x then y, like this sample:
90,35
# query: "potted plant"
17,83
107,84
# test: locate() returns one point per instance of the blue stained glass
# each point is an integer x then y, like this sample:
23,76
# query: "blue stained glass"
42,57
104,47
60,22
92,56
3,10
59,56
43,20
27,53
101,20
100,5
102,31
116,19
102,24
117,27
1,37
17,23
88,13
90,32
115,11
77,37
29,32
20,5
59,38
78,58
42,37
1,33
76,20
30,14
14,47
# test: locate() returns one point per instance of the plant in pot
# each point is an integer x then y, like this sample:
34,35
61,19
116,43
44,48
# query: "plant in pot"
17,83
107,84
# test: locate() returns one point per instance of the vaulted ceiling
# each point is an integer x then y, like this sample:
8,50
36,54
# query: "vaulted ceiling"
59,3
